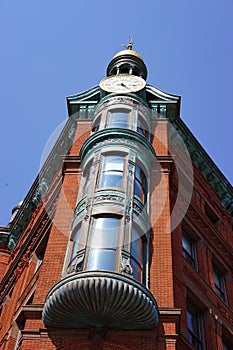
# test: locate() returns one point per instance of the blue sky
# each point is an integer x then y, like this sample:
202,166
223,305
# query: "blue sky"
52,49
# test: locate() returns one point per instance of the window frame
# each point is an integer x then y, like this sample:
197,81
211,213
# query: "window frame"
189,257
103,249
76,252
220,289
87,177
118,110
142,182
134,119
144,127
140,260
101,167
195,337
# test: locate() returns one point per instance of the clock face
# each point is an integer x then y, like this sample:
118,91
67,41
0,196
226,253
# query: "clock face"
122,83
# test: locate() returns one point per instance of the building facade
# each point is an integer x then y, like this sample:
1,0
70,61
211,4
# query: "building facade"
124,240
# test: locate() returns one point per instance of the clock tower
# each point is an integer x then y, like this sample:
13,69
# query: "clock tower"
108,251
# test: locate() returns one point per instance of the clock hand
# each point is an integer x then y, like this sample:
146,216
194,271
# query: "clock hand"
122,84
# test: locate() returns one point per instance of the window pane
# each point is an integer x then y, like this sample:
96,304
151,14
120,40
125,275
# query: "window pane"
112,172
137,254
105,232
76,243
115,163
186,243
102,259
188,250
137,270
141,128
118,120
219,283
194,326
135,244
140,184
87,176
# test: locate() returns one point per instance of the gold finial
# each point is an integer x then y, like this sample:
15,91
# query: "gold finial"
129,50
130,44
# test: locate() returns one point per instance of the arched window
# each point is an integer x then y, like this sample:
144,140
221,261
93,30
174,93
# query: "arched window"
140,184
112,171
103,243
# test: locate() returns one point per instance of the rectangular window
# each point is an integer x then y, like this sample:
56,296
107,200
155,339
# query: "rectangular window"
112,171
140,184
211,215
118,119
194,322
141,128
188,247
219,283
104,237
137,253
87,179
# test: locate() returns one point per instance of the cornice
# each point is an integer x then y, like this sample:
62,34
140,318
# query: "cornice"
40,186
28,240
206,166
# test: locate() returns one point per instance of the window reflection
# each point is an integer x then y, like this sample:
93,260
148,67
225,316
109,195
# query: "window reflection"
102,259
103,243
137,252
194,326
118,120
87,177
105,232
140,184
112,171
142,128
77,246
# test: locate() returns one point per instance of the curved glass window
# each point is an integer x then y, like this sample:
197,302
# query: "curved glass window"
87,177
142,128
137,252
140,184
118,119
77,255
104,237
96,125
112,171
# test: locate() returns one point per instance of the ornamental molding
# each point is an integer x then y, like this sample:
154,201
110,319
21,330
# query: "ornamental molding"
116,136
108,197
21,255
210,233
226,314
98,299
206,166
133,101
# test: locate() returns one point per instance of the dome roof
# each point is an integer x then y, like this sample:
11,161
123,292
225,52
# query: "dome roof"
128,52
